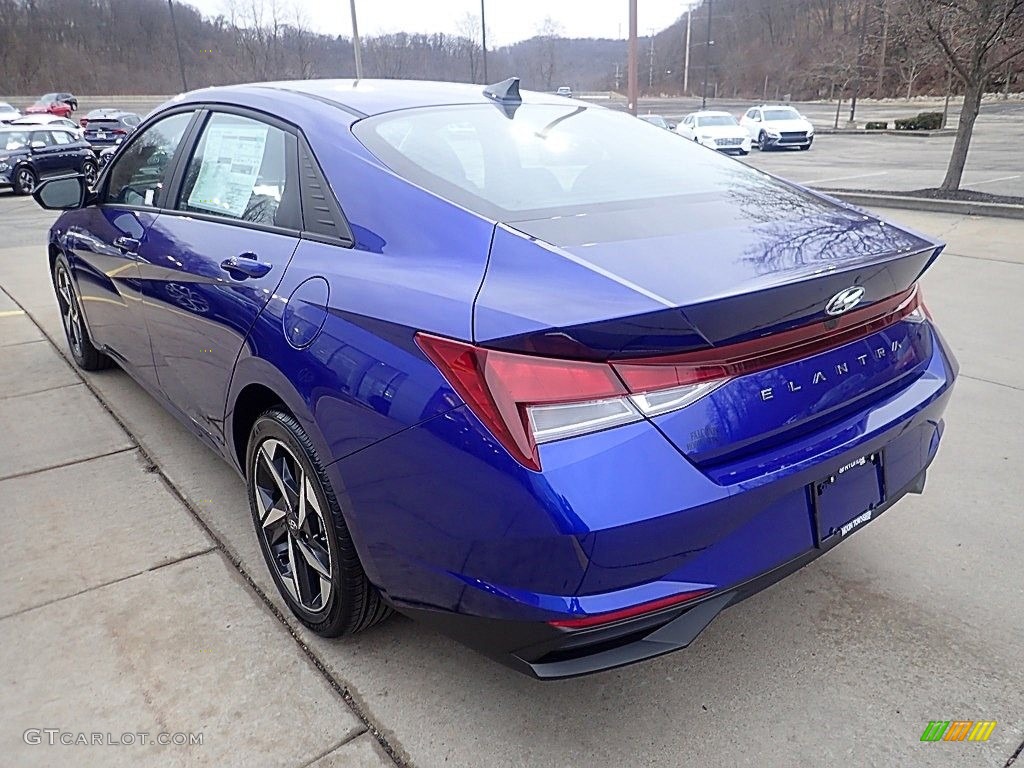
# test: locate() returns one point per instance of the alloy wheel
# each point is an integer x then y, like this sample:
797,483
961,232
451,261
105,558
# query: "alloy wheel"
90,172
26,181
292,523
70,311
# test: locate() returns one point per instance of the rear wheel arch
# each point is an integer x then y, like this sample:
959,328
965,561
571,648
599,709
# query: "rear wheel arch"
253,400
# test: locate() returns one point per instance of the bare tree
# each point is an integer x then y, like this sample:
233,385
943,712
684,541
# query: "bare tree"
977,38
548,35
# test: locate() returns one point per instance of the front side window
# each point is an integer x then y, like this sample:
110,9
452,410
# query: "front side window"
140,174
245,170
42,137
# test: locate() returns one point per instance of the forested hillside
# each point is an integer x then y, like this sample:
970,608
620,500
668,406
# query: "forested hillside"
806,48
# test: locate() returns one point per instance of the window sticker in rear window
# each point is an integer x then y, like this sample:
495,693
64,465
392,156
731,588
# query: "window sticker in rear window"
230,165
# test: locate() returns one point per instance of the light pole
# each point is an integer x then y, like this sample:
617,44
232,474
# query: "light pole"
633,87
483,37
707,60
686,60
355,42
177,44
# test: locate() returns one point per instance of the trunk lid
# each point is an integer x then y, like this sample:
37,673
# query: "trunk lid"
712,271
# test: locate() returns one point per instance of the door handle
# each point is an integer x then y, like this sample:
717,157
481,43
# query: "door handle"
127,244
244,266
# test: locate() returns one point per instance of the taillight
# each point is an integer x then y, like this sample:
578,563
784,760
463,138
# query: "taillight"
119,132
84,121
526,401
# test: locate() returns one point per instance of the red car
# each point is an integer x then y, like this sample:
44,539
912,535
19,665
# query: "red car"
62,104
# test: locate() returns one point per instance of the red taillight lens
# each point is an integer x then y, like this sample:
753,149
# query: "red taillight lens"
627,613
526,400
500,387
119,132
84,121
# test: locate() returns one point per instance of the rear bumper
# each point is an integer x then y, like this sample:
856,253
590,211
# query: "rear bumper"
548,653
489,553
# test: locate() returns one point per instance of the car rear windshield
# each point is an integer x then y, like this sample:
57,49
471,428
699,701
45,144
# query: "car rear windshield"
710,120
781,114
544,159
104,124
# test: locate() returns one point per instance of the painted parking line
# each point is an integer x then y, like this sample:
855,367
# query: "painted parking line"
845,178
991,181
12,312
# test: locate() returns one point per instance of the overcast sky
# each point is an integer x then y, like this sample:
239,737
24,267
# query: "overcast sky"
508,21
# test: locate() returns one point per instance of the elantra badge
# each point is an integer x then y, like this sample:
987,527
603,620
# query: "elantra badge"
844,301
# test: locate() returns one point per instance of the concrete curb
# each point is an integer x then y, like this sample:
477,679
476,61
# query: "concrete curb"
961,207
884,132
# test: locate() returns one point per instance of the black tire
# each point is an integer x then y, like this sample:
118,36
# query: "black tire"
84,352
91,172
805,147
762,141
25,180
744,153
352,603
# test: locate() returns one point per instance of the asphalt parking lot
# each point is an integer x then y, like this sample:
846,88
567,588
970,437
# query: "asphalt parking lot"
134,597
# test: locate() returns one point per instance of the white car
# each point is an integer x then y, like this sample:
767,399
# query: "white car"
8,113
715,130
50,121
777,126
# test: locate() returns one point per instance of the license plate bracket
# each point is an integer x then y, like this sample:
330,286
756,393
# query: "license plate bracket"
846,499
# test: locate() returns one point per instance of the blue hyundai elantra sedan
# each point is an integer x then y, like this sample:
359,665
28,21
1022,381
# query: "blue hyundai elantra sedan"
528,370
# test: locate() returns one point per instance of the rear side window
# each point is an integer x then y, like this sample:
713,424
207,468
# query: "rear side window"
62,137
245,170
140,174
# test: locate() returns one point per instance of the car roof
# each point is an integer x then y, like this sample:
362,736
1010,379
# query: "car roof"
711,113
369,97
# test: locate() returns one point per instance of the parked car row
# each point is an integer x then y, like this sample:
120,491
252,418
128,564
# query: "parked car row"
766,127
101,128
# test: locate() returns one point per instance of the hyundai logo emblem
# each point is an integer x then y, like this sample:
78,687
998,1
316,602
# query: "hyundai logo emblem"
844,301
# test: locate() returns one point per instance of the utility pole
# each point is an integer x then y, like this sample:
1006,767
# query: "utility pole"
650,76
483,37
177,44
633,88
707,60
355,42
686,60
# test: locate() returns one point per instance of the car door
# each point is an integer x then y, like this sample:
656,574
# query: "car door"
685,128
68,156
104,240
211,264
45,153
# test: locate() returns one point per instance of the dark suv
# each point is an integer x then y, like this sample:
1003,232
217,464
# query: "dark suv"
108,128
30,153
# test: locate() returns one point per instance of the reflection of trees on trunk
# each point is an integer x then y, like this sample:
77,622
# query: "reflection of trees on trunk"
796,230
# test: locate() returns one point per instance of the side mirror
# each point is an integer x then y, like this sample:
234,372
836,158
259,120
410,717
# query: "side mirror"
37,145
64,193
672,125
